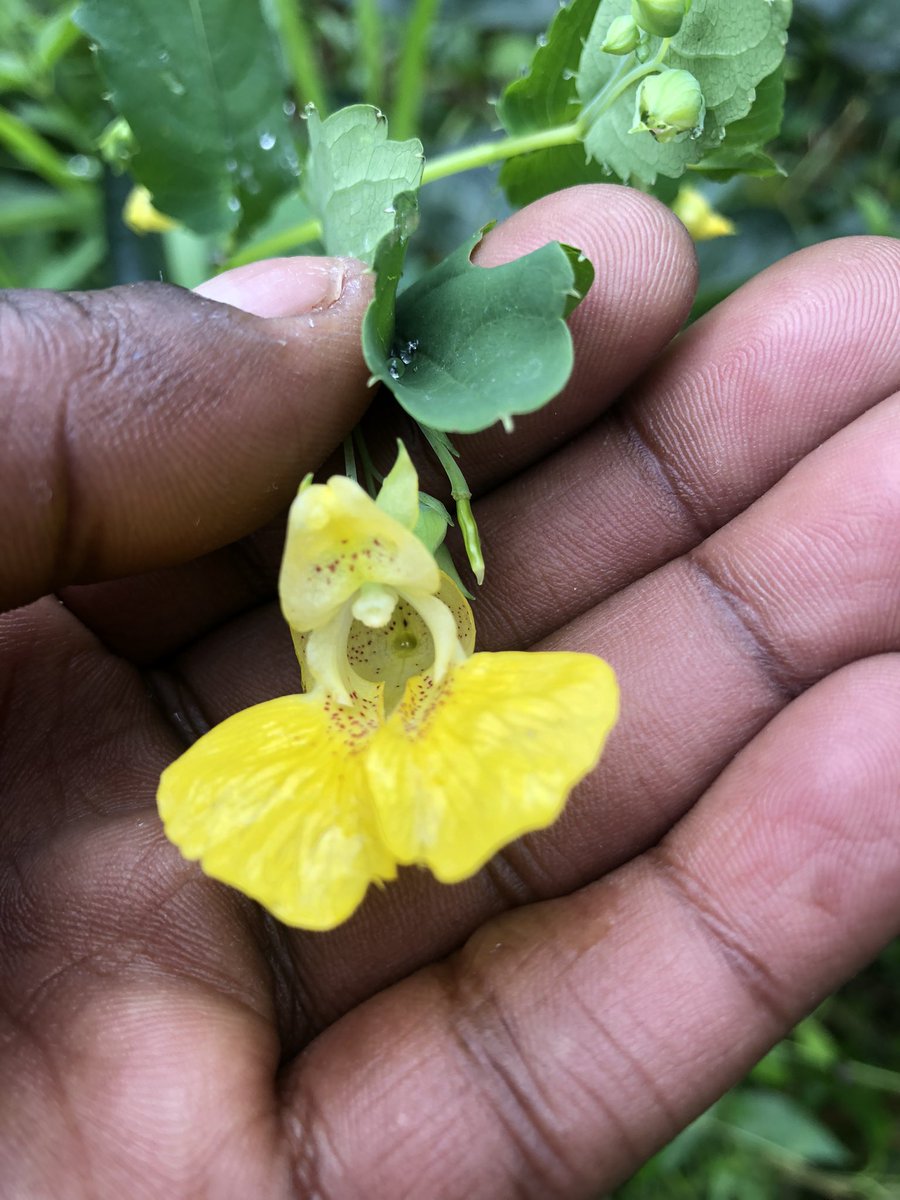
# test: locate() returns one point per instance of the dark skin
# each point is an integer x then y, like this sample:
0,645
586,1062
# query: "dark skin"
718,515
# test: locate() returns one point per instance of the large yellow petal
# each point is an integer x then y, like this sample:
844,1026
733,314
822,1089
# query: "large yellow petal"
275,802
339,539
461,769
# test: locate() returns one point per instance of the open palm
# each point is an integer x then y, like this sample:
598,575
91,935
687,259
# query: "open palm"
719,517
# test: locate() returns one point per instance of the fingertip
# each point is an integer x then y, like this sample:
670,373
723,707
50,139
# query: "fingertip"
285,287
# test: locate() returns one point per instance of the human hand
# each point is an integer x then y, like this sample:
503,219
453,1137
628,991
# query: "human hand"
719,519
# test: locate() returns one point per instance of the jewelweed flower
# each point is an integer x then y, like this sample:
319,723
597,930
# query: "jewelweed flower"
699,217
405,748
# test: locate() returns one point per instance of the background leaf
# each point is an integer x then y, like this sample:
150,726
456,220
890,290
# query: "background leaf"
199,83
780,1122
729,45
740,151
482,344
545,98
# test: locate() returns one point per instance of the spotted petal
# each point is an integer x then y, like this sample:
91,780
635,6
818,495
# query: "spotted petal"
275,801
339,539
459,770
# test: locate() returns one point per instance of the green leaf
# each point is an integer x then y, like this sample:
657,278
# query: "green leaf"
730,46
739,152
473,346
364,188
199,83
355,174
544,98
782,1124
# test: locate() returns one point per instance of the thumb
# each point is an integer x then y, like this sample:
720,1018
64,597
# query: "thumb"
144,425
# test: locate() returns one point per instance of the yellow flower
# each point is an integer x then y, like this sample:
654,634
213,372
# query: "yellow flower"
699,217
406,747
140,215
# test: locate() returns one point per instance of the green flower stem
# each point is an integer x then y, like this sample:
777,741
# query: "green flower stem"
309,85
350,459
278,243
372,477
439,168
481,155
485,153
459,490
620,83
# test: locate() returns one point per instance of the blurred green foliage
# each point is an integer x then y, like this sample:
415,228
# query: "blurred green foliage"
820,1115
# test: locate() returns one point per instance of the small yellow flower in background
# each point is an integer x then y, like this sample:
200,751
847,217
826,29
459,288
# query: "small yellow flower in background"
140,215
696,213
406,748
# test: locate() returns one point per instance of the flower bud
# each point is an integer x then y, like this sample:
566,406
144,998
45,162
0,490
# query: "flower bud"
662,18
622,36
669,104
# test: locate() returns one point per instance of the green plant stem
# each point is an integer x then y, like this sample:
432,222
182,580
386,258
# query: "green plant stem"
35,152
303,65
411,70
486,153
350,459
481,155
372,477
278,243
371,49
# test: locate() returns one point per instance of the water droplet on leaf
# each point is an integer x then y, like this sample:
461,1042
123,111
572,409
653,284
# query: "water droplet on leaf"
408,352
267,140
82,167
234,204
396,368
173,83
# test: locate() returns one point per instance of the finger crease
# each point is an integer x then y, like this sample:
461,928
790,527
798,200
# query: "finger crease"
648,450
779,674
751,972
487,1046
177,702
